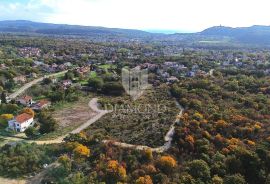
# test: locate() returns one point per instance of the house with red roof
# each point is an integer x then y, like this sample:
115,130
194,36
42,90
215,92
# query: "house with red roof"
26,100
42,104
21,122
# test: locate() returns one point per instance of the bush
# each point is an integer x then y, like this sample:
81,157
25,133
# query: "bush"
81,151
199,169
95,83
144,180
234,179
113,88
30,132
22,158
167,163
7,116
47,123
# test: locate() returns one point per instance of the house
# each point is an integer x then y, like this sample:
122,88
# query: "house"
26,100
38,63
41,104
33,75
30,52
21,122
54,80
83,70
172,79
20,79
3,66
66,84
191,74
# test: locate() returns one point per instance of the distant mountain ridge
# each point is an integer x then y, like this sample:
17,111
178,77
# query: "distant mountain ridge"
64,29
256,35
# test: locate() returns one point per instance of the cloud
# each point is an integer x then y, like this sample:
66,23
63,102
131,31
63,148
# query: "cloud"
192,15
25,9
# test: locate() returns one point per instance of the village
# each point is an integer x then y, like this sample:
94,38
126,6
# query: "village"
78,73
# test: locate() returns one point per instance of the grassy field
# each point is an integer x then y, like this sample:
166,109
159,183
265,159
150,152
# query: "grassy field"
106,67
93,74
69,116
144,121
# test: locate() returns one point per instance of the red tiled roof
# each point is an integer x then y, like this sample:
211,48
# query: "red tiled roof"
23,117
26,98
42,102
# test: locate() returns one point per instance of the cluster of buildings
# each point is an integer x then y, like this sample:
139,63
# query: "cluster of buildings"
29,52
172,71
22,121
53,67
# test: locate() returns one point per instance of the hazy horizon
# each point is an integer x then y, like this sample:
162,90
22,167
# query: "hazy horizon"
160,16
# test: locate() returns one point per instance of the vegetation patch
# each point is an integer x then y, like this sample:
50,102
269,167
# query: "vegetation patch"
144,121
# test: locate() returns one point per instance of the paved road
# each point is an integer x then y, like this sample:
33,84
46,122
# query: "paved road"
30,84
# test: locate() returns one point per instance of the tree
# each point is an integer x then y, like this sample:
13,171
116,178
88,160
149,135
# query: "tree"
47,123
115,171
217,180
113,88
69,75
185,178
144,180
234,179
47,81
167,163
78,178
81,151
148,154
3,98
7,116
66,162
29,111
30,132
96,83
10,108
199,169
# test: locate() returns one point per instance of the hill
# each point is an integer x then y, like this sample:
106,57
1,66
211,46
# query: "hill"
63,29
251,35
254,35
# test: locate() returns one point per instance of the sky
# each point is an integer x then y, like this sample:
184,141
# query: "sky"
155,15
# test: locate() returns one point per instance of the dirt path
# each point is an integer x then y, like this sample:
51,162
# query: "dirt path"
93,104
37,179
168,137
30,84
11,181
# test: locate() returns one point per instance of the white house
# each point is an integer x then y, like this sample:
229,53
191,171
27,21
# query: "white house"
21,122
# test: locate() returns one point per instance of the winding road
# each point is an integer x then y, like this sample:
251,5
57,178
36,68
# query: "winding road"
33,82
93,104
168,137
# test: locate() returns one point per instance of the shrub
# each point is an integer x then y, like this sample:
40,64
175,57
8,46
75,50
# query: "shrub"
199,169
234,179
7,116
144,180
115,170
167,163
29,111
81,151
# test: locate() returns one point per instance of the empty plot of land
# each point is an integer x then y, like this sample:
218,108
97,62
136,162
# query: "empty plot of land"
69,117
143,122
74,115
